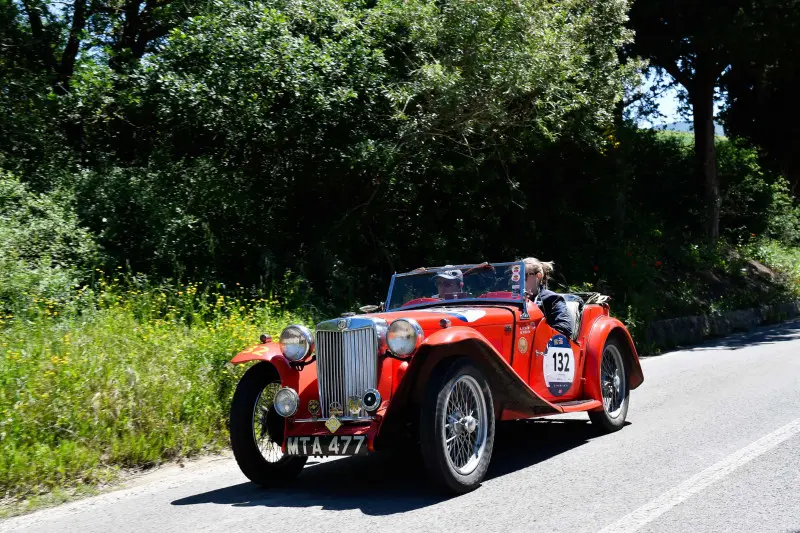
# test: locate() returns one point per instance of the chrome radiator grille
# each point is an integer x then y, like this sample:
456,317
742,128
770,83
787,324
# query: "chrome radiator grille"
346,366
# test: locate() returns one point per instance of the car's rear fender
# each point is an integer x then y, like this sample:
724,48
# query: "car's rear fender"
603,328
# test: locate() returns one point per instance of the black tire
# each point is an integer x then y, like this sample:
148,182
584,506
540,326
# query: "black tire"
253,464
434,429
612,417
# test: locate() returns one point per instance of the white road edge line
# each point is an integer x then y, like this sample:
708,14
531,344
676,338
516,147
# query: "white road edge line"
655,508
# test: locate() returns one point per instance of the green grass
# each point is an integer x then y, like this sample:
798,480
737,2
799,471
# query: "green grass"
779,257
685,137
118,378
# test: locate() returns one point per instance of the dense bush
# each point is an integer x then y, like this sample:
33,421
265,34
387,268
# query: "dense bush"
45,253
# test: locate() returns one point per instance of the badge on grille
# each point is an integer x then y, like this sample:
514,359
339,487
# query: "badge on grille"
314,409
333,424
342,324
335,409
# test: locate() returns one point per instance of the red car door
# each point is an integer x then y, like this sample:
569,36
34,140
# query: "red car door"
556,365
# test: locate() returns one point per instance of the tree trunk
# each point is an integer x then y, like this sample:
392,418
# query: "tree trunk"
37,30
71,49
702,97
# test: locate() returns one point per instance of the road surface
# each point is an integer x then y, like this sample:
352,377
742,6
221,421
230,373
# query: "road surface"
712,444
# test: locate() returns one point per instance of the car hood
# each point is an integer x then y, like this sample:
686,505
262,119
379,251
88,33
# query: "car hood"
458,315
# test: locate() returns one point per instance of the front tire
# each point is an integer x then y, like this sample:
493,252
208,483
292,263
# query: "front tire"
257,430
457,426
614,389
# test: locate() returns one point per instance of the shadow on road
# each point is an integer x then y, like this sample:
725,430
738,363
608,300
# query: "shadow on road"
394,482
788,331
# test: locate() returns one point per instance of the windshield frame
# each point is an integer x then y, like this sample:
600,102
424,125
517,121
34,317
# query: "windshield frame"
430,270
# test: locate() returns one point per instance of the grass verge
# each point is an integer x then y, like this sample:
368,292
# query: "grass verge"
119,378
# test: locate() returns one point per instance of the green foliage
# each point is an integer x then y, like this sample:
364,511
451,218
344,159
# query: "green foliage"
304,134
45,252
782,258
127,374
784,214
756,203
760,86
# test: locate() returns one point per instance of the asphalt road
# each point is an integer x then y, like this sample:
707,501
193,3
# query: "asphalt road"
712,444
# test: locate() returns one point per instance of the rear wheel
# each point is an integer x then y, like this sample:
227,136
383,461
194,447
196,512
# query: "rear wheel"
457,426
257,429
614,389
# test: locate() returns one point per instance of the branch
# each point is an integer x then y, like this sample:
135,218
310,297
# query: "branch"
37,30
67,67
672,69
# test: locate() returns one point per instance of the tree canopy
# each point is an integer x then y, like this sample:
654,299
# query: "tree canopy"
346,139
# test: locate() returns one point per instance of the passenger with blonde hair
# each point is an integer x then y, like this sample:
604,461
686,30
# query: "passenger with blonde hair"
553,304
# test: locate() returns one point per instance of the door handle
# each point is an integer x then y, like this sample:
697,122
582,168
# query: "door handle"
538,353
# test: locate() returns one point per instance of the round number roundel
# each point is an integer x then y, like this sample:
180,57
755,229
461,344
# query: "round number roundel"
559,365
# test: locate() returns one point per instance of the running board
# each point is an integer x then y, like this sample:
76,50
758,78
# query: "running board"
575,406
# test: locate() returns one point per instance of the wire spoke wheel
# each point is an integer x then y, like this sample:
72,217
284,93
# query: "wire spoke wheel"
464,427
257,430
268,424
612,380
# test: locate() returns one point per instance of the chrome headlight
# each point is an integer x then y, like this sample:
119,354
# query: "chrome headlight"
404,336
296,342
286,401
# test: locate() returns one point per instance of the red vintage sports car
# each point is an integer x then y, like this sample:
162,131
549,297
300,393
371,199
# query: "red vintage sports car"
433,368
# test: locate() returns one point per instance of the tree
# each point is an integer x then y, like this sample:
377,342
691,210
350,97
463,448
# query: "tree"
761,89
132,28
54,35
695,42
353,138
54,39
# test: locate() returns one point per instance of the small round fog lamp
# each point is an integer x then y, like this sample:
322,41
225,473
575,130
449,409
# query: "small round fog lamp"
371,400
286,401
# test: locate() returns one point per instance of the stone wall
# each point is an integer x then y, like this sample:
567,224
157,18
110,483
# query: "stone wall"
664,334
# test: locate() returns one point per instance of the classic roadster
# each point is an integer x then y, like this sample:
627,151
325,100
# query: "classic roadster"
434,367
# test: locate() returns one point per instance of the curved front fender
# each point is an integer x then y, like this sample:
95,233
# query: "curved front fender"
452,335
602,328
509,389
270,353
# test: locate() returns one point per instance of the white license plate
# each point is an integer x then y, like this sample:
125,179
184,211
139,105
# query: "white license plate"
327,445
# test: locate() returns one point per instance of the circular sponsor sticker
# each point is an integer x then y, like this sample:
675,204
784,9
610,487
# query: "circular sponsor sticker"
515,269
558,365
522,345
515,276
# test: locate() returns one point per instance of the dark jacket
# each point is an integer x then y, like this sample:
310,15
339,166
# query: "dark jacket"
555,311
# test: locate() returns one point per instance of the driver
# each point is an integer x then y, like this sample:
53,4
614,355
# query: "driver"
449,282
553,304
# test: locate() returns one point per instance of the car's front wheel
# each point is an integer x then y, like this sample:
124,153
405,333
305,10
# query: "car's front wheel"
457,426
257,429
614,389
